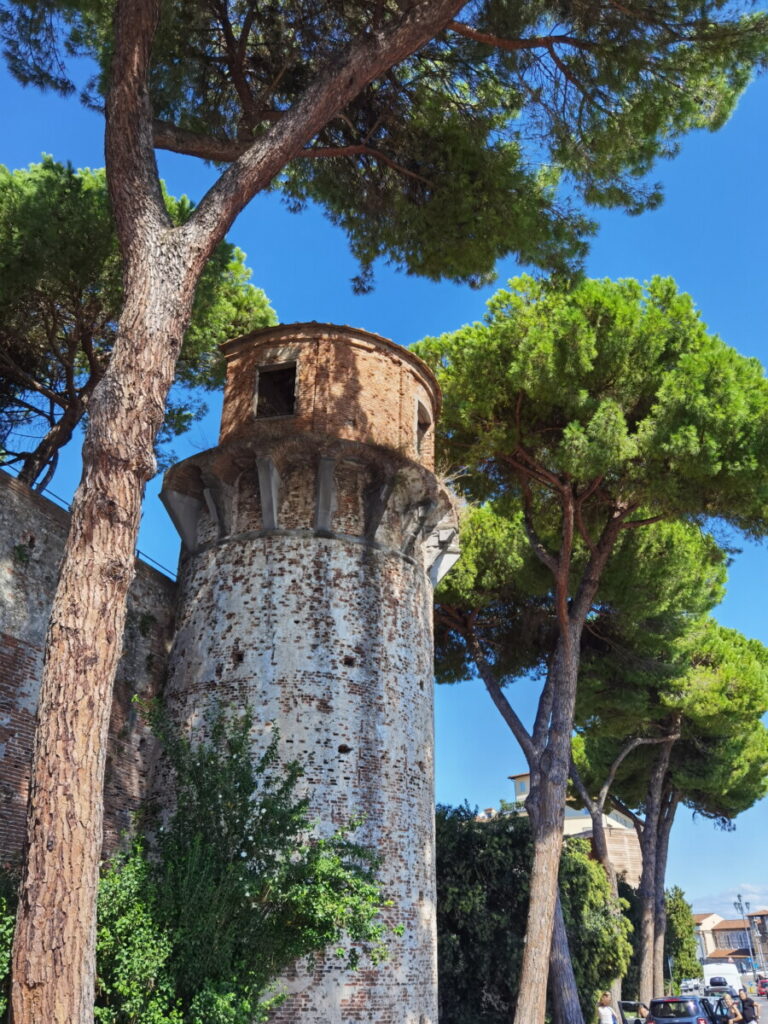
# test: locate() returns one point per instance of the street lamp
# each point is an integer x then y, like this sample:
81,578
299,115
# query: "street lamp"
743,909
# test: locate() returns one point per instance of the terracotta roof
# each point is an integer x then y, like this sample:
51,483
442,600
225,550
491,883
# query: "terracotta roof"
737,953
698,918
735,924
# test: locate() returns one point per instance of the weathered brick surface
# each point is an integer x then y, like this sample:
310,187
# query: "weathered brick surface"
329,643
349,384
32,535
321,623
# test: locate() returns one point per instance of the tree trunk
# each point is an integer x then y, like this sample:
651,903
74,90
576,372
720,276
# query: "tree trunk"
562,982
564,995
647,891
600,850
666,817
546,809
54,958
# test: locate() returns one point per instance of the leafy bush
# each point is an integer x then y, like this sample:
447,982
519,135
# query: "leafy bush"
135,985
233,891
483,874
7,920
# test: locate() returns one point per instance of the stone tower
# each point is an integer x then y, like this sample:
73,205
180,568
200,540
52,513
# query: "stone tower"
312,535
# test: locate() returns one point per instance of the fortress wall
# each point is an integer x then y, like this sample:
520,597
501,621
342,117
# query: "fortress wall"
32,535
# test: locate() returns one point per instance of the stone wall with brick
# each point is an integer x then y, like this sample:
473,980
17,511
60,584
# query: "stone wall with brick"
32,535
350,384
305,596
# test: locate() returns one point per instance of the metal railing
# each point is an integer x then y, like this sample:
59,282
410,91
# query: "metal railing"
57,499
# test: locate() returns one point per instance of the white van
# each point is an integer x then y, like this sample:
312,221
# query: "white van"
719,978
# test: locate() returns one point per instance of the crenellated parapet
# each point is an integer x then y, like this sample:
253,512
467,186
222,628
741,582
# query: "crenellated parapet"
311,485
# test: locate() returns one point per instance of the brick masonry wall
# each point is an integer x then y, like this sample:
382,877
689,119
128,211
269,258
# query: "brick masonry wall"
349,384
329,642
32,535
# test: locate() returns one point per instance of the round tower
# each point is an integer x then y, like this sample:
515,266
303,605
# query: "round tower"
312,535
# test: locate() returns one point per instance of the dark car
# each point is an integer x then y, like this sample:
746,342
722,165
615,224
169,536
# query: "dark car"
686,1010
719,986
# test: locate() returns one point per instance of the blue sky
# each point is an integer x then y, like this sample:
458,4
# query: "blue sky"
710,235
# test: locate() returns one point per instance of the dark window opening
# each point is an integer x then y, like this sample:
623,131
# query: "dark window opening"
344,749
423,423
276,392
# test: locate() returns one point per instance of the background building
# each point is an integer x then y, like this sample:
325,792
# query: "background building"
620,833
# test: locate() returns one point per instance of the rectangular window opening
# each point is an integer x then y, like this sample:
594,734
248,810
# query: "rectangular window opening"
276,391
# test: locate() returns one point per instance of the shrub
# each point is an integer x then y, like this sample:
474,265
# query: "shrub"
234,889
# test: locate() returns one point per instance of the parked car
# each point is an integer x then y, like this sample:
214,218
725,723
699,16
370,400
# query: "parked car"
686,1010
762,986
690,985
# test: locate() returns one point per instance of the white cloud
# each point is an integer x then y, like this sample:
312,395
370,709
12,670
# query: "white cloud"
722,902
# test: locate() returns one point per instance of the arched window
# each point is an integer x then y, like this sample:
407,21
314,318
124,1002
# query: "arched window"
423,423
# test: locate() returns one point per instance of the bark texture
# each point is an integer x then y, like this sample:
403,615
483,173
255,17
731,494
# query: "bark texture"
563,993
550,767
546,810
649,845
670,801
54,960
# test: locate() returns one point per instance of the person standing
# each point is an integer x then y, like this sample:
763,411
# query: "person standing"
732,1009
750,1011
605,1012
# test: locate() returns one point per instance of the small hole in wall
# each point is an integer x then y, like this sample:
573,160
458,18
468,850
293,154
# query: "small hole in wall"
348,660
31,541
344,749
238,656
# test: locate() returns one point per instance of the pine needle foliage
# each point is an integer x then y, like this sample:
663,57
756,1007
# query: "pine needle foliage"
493,138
